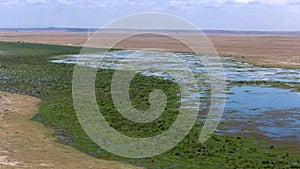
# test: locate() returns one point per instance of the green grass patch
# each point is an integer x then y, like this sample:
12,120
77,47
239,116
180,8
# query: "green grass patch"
27,70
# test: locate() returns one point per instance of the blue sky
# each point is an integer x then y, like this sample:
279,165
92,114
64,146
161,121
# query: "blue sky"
206,14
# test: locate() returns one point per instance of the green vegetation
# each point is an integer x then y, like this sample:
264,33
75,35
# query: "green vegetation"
26,69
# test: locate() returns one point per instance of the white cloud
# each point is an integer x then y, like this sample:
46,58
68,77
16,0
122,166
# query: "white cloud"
265,2
192,6
69,2
108,3
86,3
294,9
243,1
8,2
270,2
37,1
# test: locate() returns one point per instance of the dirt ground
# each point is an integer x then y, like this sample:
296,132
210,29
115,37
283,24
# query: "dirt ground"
269,50
28,144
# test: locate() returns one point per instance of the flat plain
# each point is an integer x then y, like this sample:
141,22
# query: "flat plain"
280,50
26,68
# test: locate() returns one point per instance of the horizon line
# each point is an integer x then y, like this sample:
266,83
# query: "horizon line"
82,29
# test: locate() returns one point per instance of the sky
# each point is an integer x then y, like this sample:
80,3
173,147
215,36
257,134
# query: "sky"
266,15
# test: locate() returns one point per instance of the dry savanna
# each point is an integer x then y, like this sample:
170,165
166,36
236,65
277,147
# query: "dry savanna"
281,50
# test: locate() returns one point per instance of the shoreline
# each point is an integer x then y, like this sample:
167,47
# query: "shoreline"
29,144
258,49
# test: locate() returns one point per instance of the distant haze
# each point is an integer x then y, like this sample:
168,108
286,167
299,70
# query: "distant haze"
261,15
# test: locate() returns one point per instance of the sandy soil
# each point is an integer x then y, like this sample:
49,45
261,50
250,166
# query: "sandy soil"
28,144
269,50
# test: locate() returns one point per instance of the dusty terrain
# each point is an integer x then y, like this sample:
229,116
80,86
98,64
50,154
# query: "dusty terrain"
269,50
28,144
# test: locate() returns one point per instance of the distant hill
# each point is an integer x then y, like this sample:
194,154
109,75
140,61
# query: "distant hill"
54,29
252,32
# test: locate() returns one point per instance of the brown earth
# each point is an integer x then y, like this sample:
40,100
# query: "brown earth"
28,144
269,50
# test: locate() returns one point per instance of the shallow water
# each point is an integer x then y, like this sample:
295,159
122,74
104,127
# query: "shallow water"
273,112
255,99
235,71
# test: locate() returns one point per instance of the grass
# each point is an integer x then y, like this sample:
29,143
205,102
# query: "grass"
26,69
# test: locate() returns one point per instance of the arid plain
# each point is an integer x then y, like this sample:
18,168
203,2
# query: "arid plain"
281,50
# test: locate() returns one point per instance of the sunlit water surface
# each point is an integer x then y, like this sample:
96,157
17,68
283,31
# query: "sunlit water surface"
270,111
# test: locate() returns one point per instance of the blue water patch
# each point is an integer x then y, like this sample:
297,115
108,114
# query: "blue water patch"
251,100
272,111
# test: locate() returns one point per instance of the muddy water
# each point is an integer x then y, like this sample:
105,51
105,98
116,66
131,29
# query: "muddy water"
266,110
